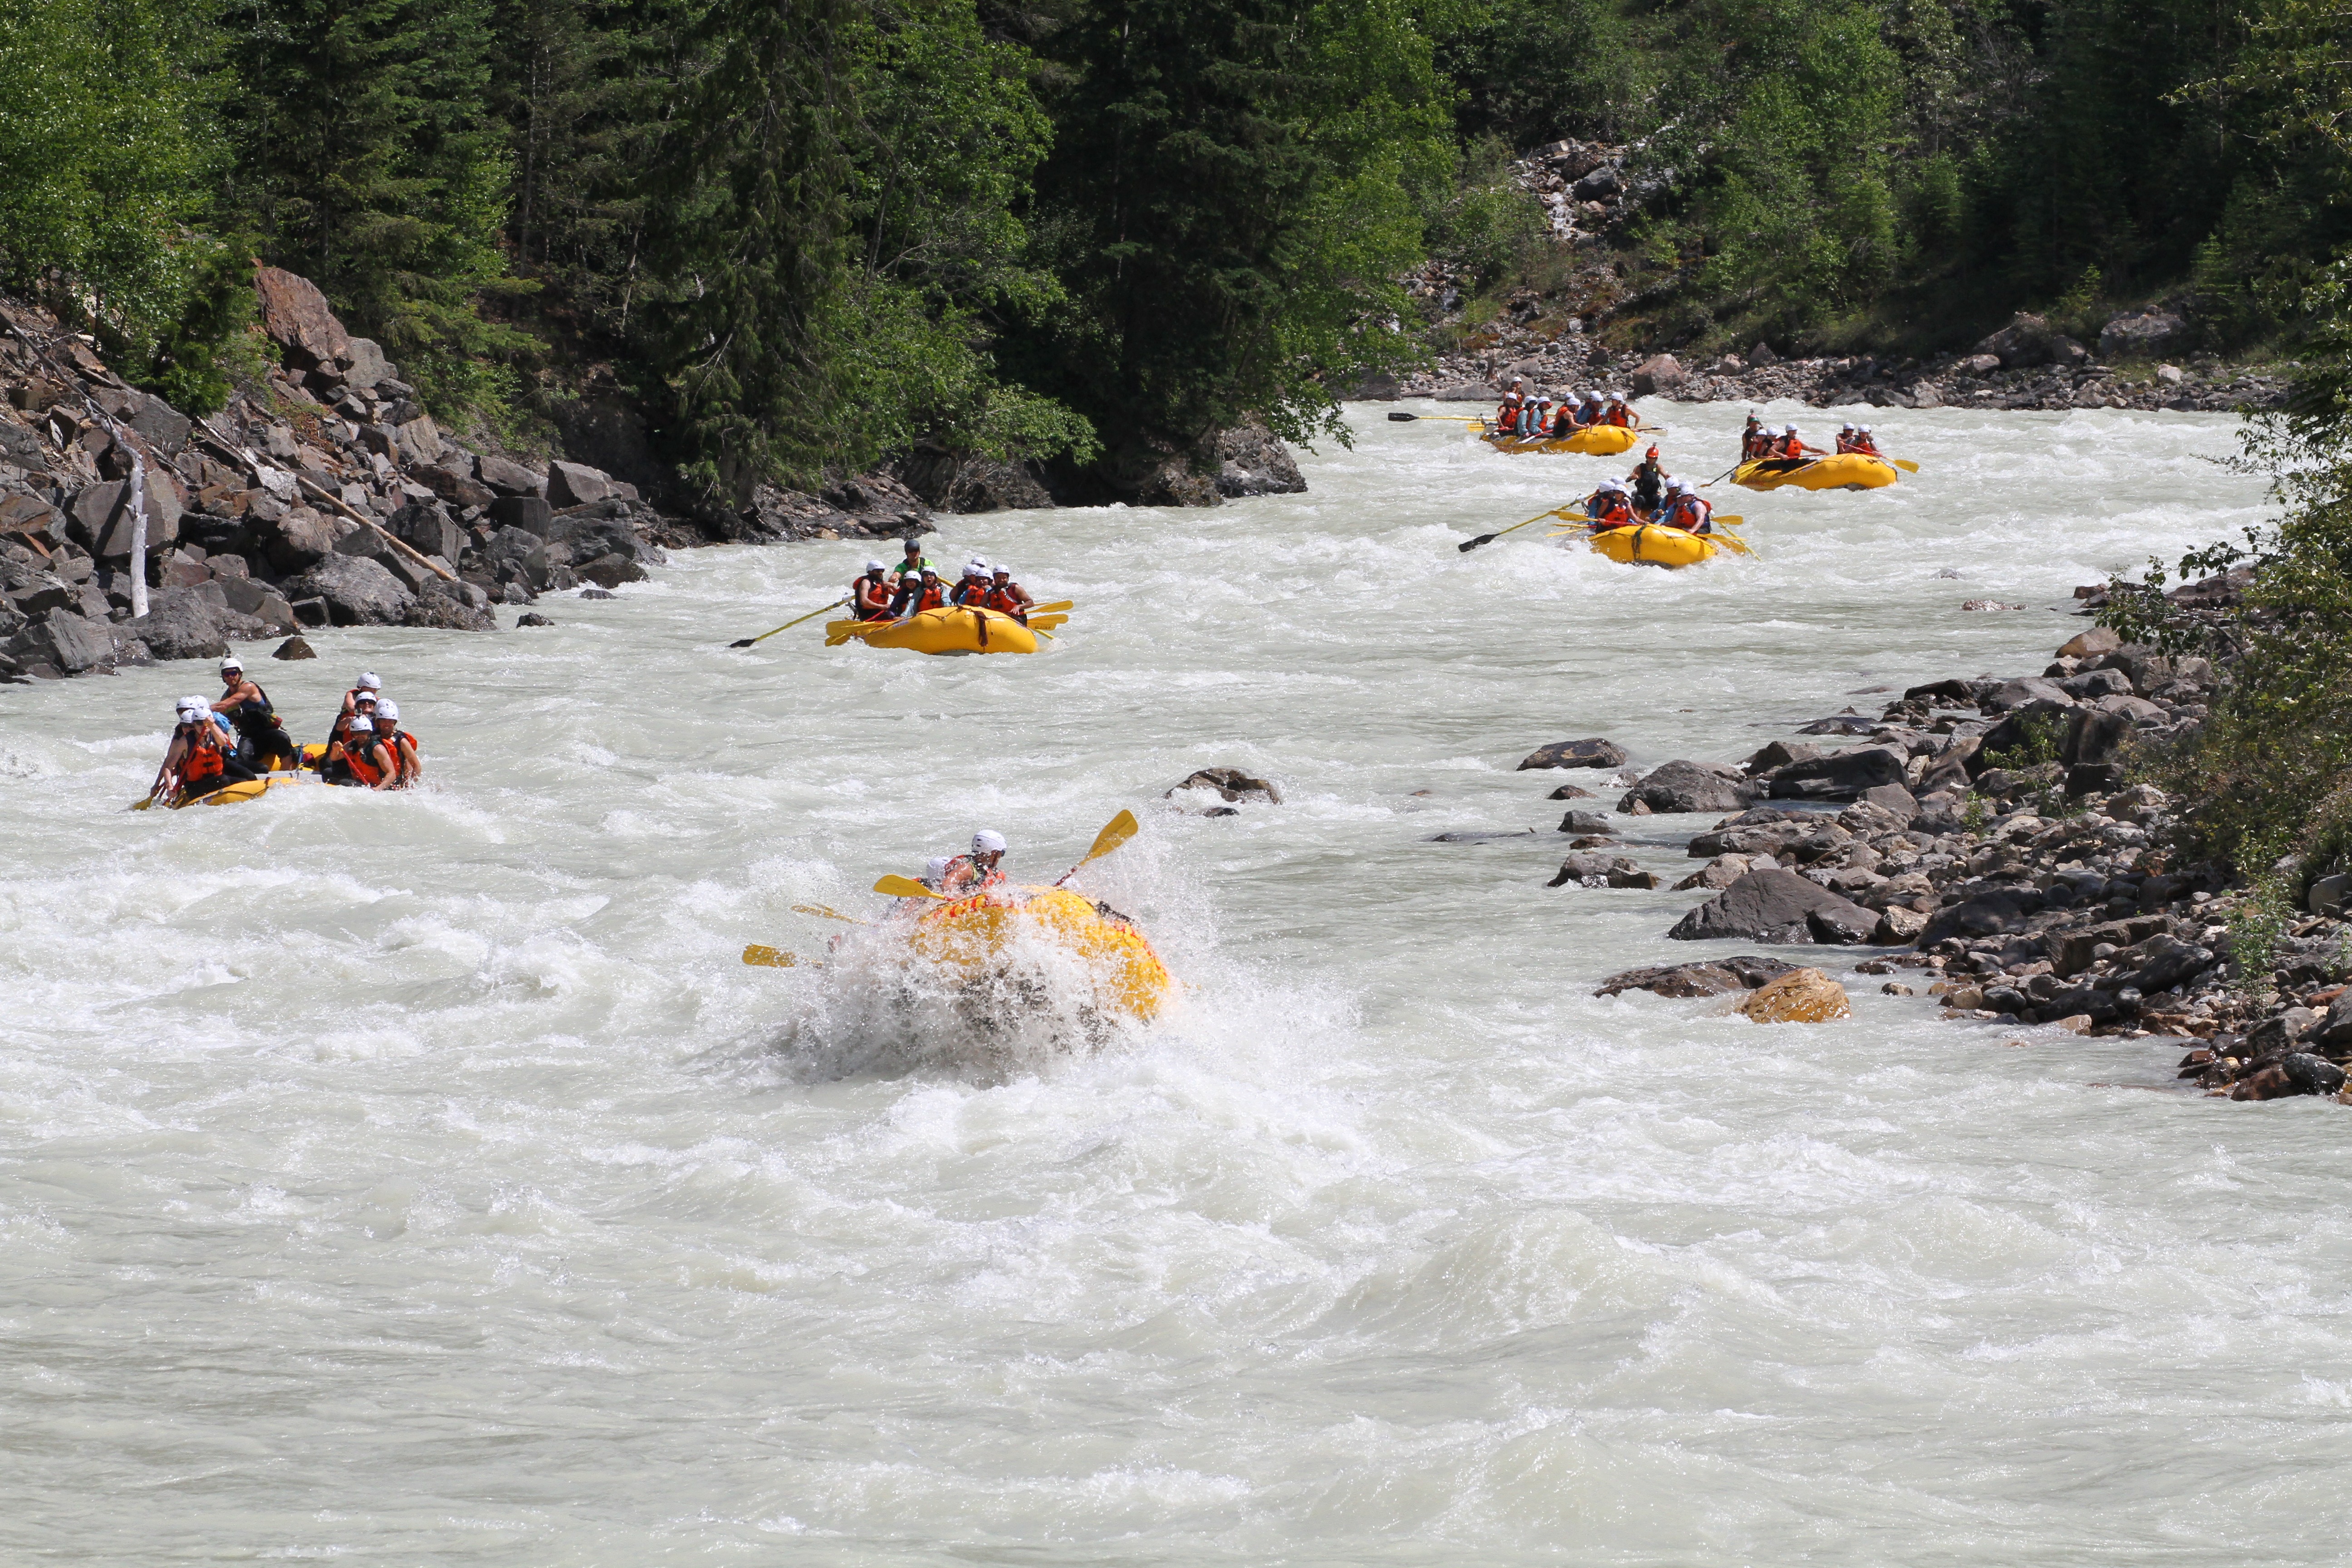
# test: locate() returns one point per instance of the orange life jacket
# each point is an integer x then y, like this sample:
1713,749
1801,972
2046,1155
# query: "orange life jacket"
962,866
1619,417
871,599
206,759
362,767
1614,513
1006,600
1865,445
929,598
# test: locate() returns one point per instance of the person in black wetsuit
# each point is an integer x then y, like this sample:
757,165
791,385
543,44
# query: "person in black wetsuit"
1649,484
262,742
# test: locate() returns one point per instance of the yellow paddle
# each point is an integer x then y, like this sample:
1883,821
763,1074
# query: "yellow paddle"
763,636
1906,467
769,957
830,914
906,887
1120,829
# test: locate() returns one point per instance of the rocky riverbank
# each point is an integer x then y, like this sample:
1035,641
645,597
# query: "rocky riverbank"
323,494
1983,834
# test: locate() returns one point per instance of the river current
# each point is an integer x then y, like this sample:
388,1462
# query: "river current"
421,1179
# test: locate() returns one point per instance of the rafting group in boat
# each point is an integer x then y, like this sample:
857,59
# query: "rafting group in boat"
1538,418
1760,443
237,738
915,585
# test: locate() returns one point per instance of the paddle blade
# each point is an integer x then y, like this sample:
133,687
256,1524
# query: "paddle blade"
143,805
1056,604
1467,545
828,914
1397,417
1121,828
768,957
1906,467
1733,521
905,887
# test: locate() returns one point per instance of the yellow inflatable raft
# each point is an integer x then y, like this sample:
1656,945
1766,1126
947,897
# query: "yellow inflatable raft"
1653,544
985,935
952,628
1847,471
1600,441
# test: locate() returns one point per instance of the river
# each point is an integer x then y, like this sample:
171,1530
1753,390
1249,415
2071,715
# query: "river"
421,1179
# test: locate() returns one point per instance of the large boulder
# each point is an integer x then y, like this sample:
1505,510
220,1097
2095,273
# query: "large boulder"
181,623
297,315
451,606
1252,461
362,364
1590,869
1466,392
428,529
508,478
357,592
1839,776
2142,333
1996,912
2029,341
161,426
299,539
576,484
532,514
1778,906
1685,786
603,530
1658,375
99,517
1708,977
1592,753
67,640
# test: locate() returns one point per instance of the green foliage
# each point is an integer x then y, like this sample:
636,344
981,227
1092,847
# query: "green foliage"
107,159
1484,222
368,160
2258,921
197,362
1227,204
2043,734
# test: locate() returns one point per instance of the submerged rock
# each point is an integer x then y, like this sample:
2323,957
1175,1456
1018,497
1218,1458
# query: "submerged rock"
1706,977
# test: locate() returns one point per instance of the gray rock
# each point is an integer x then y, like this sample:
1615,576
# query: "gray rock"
1231,785
1840,775
364,365
1586,822
611,571
1595,870
1778,906
1708,977
533,619
2016,694
265,603
1592,753
1466,392
1252,461
21,447
1687,786
529,513
2142,334
1779,754
163,426
508,478
575,484
301,539
420,441
2281,1032
2311,1074
357,592
182,623
524,550
67,640
428,527
1657,376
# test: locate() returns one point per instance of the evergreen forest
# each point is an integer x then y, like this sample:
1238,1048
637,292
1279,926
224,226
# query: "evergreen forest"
801,235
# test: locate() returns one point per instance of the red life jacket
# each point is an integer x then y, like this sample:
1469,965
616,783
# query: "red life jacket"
207,760
1614,513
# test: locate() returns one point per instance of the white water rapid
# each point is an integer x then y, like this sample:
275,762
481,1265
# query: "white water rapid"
421,1179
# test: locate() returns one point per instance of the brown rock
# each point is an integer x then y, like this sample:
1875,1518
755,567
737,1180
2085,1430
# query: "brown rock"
1594,753
1711,977
1799,996
297,315
1659,374
1231,784
2091,644
295,648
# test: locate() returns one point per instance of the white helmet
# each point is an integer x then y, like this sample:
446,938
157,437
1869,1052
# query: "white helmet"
230,663
362,722
1863,429
187,705
873,567
1677,484
369,681
975,567
359,696
1612,484
1788,429
987,841
387,708
935,867
1847,426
